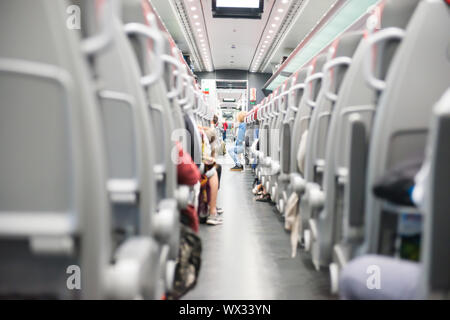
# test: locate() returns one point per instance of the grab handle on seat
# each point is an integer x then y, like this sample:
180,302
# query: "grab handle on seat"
276,102
178,88
158,47
185,86
294,88
377,39
199,102
267,111
337,62
315,77
258,117
101,40
285,93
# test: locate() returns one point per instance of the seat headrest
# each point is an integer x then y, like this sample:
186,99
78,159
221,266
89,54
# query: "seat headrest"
348,44
320,62
397,13
132,11
302,75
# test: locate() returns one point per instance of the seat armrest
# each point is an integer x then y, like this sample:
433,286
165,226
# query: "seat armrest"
267,162
314,197
133,274
320,166
182,194
275,167
298,184
166,220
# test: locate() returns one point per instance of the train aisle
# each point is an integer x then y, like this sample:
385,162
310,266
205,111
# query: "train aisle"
248,257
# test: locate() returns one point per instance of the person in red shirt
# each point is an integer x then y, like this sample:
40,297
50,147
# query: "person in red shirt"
225,128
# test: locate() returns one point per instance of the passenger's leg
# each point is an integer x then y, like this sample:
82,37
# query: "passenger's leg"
213,218
239,149
219,172
232,152
214,188
239,153
377,277
219,175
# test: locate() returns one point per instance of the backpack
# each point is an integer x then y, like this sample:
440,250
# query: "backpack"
188,263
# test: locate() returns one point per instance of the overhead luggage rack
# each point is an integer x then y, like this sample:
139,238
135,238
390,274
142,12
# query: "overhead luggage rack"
342,17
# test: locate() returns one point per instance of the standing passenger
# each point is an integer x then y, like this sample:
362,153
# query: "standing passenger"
225,128
238,147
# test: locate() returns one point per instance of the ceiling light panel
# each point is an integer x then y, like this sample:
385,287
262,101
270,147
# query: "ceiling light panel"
195,12
279,12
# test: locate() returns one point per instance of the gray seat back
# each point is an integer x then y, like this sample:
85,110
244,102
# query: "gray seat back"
395,18
420,72
128,135
54,212
262,132
313,85
280,107
265,128
273,114
161,116
357,102
319,138
334,73
294,99
435,255
286,129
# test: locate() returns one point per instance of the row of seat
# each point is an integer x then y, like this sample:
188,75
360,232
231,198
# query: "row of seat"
89,118
359,109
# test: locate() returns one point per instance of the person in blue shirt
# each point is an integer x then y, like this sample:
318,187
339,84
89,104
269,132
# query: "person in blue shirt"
238,147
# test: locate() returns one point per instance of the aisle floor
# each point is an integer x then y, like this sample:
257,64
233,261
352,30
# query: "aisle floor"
248,257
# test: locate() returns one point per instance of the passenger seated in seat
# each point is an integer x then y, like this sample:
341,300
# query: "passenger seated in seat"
220,133
190,248
238,147
261,194
259,190
213,141
225,128
209,182
218,126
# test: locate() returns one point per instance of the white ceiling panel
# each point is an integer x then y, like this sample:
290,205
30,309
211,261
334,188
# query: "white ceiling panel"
243,44
242,34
